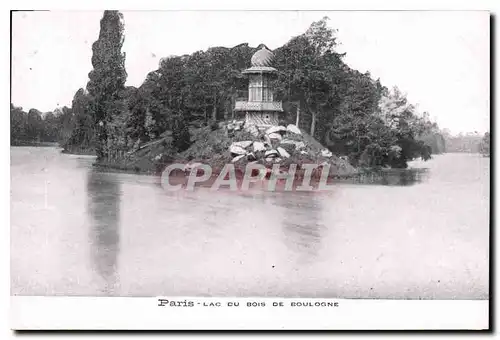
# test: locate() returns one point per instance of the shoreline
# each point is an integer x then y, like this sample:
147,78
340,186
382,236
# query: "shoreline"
362,176
78,152
34,144
389,176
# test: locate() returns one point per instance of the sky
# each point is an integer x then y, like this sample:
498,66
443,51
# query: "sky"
440,59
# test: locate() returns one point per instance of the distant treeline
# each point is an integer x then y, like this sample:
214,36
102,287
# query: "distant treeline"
35,127
485,145
347,111
469,142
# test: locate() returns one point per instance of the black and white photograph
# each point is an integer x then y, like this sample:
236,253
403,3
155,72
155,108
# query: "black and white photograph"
318,158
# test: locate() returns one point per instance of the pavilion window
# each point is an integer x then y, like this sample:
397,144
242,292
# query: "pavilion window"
255,88
267,91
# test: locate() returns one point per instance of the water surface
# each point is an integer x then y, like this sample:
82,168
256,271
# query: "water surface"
78,231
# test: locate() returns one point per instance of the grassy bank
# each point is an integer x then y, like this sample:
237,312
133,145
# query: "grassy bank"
211,147
33,143
75,150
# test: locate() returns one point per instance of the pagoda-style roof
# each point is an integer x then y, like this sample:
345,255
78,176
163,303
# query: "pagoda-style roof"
260,69
261,61
263,57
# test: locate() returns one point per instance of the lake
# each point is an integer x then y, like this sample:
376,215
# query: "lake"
77,231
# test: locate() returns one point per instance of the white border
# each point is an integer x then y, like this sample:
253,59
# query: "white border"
84,313
71,313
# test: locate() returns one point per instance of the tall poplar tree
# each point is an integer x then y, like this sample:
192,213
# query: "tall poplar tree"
107,79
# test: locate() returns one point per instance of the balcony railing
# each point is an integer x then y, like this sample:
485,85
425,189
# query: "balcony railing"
241,96
258,106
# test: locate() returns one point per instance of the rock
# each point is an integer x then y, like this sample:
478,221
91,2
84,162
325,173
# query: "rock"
275,136
396,149
290,148
252,129
251,157
269,159
293,129
244,144
237,150
237,158
277,160
191,166
235,125
282,152
271,153
304,152
267,140
326,153
275,129
298,145
259,146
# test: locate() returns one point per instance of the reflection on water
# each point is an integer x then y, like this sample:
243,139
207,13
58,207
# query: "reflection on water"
104,233
301,224
393,177
76,231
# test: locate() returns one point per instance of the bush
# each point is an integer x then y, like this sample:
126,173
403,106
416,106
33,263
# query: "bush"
180,134
290,148
214,125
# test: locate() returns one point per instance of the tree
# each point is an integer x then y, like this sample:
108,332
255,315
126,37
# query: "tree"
82,135
34,127
346,110
180,133
17,124
107,79
485,145
50,127
66,123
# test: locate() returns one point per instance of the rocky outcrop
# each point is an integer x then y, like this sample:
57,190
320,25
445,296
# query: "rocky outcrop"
244,144
282,152
271,153
272,145
274,136
237,150
267,146
237,158
259,146
326,153
276,129
235,125
296,144
293,129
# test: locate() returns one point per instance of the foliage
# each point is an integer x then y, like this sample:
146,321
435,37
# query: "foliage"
485,145
36,127
180,133
106,85
346,110
351,113
468,142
